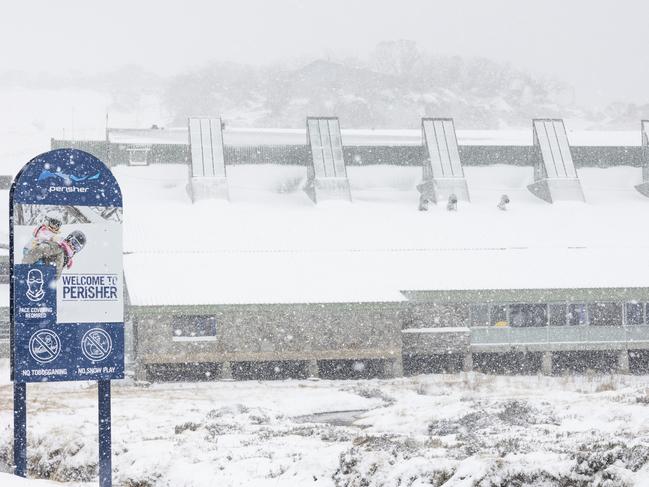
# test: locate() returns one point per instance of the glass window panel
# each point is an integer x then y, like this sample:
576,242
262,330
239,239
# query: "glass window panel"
453,151
634,314
605,314
194,326
546,151
479,315
328,156
196,147
577,314
138,156
564,150
206,140
337,148
216,141
554,147
315,140
440,135
528,315
557,314
499,315
433,148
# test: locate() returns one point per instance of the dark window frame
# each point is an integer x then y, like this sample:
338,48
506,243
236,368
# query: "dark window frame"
205,328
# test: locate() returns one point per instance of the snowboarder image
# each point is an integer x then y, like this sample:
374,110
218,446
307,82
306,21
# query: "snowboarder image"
55,253
49,230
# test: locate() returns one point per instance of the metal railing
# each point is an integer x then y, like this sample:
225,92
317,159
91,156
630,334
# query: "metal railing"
556,335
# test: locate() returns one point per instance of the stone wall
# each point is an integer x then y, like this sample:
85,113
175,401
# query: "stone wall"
273,332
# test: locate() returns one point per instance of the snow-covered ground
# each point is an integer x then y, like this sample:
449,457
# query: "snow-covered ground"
460,430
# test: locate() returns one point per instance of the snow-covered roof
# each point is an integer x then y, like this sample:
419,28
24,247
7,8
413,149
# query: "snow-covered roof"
368,137
148,136
368,276
270,244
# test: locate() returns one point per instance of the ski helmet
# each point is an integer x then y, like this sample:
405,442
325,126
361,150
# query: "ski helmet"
53,220
77,240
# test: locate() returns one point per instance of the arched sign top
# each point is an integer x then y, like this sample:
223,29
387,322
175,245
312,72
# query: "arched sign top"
66,177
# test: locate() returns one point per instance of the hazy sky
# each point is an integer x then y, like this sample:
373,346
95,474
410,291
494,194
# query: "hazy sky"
600,47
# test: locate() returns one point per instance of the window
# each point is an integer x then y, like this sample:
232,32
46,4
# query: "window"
527,315
479,315
557,314
577,314
634,314
605,314
137,156
499,315
194,328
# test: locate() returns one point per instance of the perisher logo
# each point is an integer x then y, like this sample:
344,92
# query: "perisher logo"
67,178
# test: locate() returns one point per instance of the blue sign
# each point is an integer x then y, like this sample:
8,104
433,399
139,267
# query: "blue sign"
66,176
66,259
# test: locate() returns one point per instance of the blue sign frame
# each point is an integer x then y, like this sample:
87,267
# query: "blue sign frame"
80,350
66,321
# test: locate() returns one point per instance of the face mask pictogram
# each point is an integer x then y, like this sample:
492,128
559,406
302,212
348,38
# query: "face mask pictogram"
35,285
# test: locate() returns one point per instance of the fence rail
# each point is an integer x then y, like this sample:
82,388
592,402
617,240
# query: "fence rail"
561,337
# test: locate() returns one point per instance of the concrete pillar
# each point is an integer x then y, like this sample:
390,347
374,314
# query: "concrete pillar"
546,363
397,367
141,372
623,362
226,371
312,369
393,368
467,362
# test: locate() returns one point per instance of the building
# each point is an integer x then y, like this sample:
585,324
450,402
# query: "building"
271,278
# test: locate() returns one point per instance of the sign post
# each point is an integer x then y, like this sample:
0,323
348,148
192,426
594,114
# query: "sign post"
66,285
